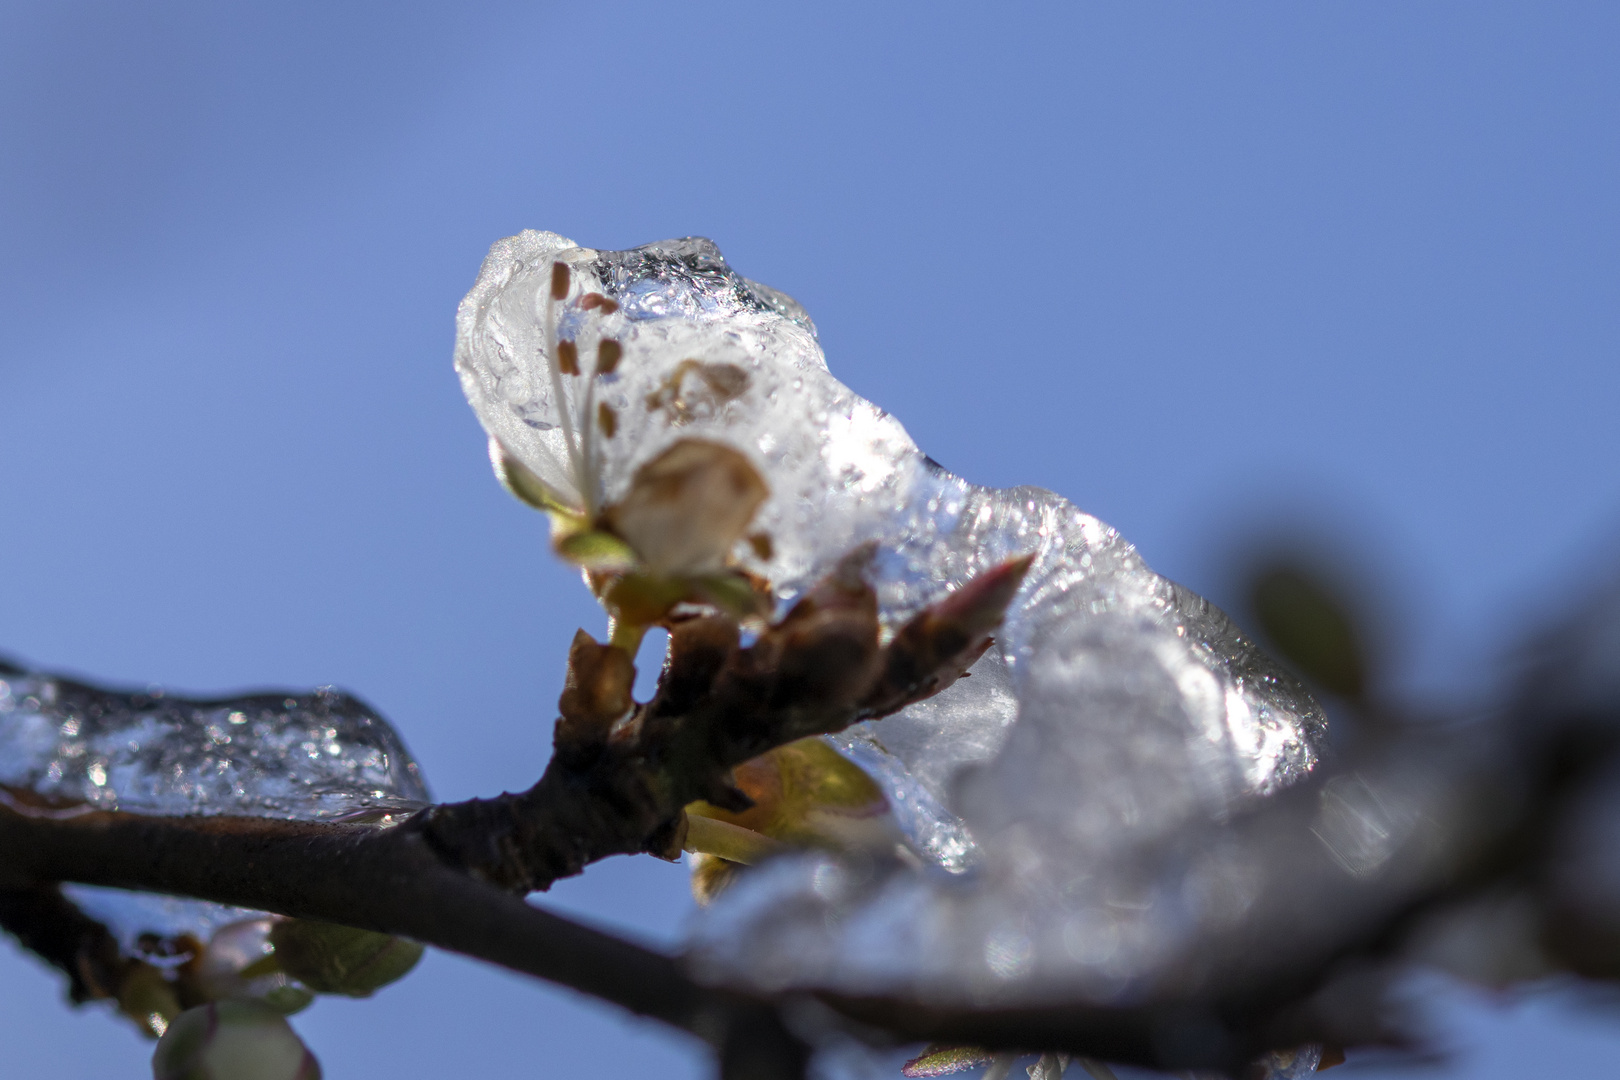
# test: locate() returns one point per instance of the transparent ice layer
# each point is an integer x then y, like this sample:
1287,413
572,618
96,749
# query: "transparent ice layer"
1116,709
67,747
705,354
311,756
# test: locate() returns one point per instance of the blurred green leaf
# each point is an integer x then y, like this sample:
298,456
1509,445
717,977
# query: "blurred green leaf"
1310,625
332,959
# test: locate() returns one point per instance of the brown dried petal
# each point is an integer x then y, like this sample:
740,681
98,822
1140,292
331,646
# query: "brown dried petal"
714,384
688,506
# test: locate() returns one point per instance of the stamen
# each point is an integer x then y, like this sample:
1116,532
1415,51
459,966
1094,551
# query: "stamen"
761,543
590,301
609,306
608,352
576,453
608,419
568,357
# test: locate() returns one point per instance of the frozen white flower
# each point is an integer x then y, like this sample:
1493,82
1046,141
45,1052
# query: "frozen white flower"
1116,709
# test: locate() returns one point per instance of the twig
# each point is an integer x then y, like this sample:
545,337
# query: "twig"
391,881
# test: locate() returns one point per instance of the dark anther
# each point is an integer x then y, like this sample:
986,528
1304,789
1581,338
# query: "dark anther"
568,357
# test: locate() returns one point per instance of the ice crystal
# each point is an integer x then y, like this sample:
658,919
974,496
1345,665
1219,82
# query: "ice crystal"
1116,709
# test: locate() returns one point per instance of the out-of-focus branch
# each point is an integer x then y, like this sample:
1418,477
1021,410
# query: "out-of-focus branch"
1349,872
391,881
1325,910
1340,870
46,923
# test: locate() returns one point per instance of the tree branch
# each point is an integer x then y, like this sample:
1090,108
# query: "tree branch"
618,782
621,775
1276,977
1343,866
391,881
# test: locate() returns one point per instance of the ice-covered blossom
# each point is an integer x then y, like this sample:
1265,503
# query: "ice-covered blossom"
1116,710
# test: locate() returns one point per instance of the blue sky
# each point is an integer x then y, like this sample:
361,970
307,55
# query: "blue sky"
1215,272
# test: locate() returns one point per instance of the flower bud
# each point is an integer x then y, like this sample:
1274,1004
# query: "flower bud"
232,1040
332,959
240,962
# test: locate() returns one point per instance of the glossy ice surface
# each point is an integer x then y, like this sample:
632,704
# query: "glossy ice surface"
1116,709
310,756
67,747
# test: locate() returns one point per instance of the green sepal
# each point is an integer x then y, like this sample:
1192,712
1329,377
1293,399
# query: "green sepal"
288,998
732,593
595,550
521,481
642,599
332,959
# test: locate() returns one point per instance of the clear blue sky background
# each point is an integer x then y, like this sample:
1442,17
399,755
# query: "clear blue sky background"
1210,270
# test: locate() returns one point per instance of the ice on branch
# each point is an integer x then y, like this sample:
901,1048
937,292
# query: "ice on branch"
1115,711
67,748
309,756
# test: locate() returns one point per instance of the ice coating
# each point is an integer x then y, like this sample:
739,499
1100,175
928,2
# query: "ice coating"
1116,709
706,354
310,756
67,747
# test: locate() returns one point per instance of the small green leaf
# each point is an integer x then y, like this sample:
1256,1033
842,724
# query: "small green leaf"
332,959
